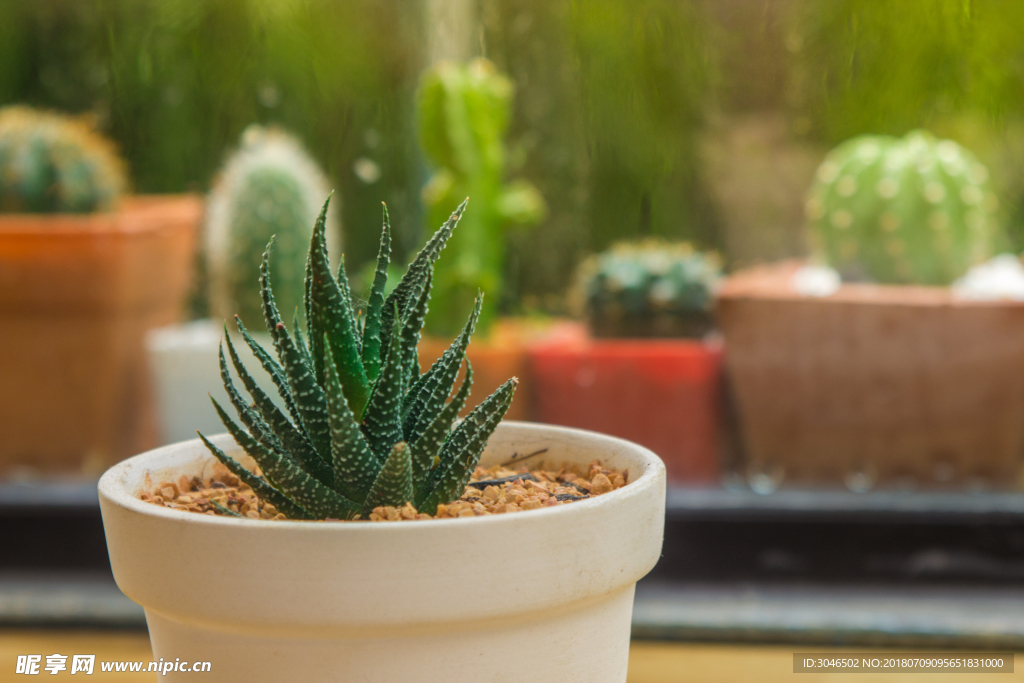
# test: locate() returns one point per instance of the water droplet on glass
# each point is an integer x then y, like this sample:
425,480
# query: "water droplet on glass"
861,478
765,478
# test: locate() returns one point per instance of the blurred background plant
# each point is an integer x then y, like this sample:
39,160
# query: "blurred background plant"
176,83
52,163
651,288
269,187
910,210
695,120
854,68
463,112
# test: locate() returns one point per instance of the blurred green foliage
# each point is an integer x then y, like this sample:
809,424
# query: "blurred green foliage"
614,99
955,67
645,73
463,112
176,82
889,67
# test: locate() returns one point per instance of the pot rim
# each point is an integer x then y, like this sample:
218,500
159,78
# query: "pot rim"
771,283
141,214
112,487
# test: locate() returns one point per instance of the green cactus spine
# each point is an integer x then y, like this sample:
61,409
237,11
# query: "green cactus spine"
648,289
463,115
52,163
270,187
903,210
361,426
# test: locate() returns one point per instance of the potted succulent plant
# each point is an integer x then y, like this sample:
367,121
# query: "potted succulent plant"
649,372
268,187
361,434
84,273
463,112
888,373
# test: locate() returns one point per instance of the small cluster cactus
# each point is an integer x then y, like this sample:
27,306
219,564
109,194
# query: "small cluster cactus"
366,428
270,187
463,113
902,210
648,289
53,163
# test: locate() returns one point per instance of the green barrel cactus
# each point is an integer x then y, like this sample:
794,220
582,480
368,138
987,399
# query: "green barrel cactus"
52,163
903,210
360,426
648,289
463,113
270,187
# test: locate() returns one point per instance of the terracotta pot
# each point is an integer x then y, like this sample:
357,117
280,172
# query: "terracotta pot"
500,355
664,394
472,599
77,294
874,382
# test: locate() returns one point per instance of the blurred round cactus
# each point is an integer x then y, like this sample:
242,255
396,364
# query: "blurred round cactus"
903,210
648,289
53,163
270,187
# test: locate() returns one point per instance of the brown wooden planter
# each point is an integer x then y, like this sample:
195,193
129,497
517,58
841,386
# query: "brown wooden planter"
887,382
77,294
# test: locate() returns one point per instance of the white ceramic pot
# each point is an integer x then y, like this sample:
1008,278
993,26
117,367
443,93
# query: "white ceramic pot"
185,365
539,595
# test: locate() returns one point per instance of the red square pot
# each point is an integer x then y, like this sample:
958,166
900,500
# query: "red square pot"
663,394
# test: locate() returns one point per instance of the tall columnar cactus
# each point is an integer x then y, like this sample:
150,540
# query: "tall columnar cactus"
361,426
52,163
903,210
648,289
463,115
269,188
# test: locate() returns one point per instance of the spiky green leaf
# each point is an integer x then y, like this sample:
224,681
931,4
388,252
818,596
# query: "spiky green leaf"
435,385
346,292
393,485
355,465
332,315
258,485
249,417
300,340
290,439
410,287
289,478
462,449
310,399
270,312
428,445
224,511
412,324
375,304
382,423
272,368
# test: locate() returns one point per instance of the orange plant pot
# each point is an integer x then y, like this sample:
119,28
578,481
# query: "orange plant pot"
664,394
503,353
880,382
77,295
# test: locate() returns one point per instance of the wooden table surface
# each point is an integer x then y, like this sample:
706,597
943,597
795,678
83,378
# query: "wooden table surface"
649,662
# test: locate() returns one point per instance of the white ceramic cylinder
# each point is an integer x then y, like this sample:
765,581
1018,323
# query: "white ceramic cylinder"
545,593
